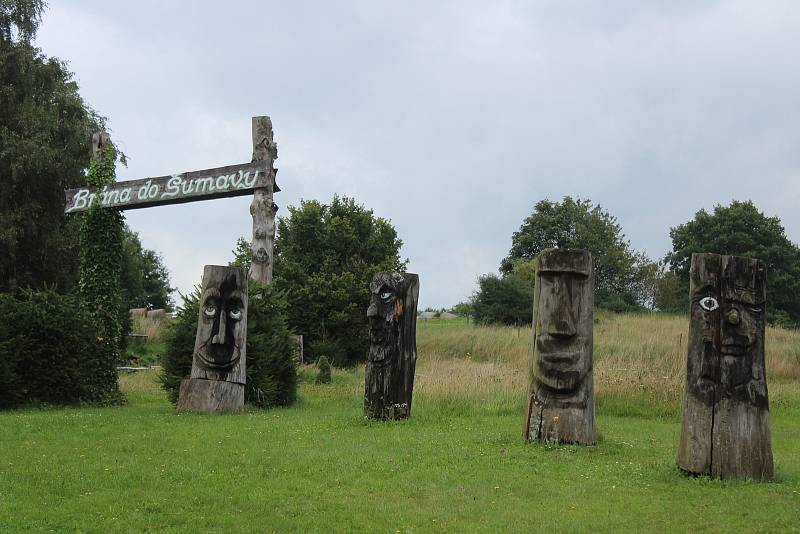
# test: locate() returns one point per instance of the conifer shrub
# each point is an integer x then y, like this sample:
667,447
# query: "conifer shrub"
270,364
51,352
324,366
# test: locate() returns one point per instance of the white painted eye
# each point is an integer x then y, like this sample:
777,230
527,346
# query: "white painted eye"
210,311
709,303
235,314
385,295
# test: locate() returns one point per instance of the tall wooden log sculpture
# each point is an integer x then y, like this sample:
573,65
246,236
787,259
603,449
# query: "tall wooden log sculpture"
263,208
392,357
726,422
561,402
217,381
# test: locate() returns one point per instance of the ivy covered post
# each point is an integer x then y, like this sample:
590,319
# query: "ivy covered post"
100,260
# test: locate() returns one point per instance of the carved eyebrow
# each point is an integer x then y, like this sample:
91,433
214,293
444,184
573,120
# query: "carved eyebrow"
236,294
211,292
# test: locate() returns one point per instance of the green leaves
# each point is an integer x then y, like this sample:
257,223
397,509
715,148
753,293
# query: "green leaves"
622,275
325,257
100,261
740,229
45,128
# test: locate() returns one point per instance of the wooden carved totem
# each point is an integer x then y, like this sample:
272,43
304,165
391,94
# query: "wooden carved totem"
218,365
392,356
561,402
726,422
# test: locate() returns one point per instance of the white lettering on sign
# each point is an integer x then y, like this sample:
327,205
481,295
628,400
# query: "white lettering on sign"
164,189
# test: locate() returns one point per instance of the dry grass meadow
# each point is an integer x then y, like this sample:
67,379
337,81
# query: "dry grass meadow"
640,362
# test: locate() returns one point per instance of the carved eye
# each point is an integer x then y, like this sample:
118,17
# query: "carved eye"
210,311
235,314
709,304
385,295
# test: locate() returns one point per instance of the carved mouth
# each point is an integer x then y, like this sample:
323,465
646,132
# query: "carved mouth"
559,358
219,357
734,349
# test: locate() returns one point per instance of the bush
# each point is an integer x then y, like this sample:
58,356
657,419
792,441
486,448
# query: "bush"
50,352
324,366
506,300
270,365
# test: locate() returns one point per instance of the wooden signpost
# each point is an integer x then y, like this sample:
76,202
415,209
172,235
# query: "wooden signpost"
256,178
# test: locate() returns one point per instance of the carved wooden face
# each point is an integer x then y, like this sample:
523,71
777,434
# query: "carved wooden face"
728,313
384,312
222,324
563,319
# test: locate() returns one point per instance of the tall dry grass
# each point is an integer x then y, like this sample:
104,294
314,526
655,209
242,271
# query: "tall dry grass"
152,327
639,359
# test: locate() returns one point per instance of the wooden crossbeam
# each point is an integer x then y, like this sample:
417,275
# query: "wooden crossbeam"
190,186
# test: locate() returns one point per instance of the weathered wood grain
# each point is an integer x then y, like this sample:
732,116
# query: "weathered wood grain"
263,208
392,357
212,396
561,402
725,431
218,365
191,186
221,341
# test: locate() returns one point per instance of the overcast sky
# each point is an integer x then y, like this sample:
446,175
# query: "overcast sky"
451,119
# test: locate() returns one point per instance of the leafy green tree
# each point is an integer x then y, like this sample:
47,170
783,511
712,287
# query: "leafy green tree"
325,257
145,279
621,274
507,300
742,230
45,129
462,309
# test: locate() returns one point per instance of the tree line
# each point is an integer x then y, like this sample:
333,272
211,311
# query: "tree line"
627,280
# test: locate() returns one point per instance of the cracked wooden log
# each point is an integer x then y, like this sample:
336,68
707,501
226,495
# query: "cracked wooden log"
726,422
263,207
392,357
561,392
218,375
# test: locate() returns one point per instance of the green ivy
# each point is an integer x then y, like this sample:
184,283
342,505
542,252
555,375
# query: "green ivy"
101,255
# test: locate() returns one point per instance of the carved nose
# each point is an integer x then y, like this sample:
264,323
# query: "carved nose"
733,317
219,337
372,311
561,329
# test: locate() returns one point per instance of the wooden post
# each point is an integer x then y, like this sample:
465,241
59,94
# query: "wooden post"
726,422
218,365
392,357
561,402
263,207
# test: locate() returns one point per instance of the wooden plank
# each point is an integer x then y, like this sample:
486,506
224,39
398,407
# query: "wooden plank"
190,186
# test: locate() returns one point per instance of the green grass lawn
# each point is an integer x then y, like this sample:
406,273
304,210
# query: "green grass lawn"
320,467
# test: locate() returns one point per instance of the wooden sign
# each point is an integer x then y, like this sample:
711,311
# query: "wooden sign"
230,181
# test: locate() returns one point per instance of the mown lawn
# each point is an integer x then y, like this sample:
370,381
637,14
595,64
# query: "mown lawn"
455,466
